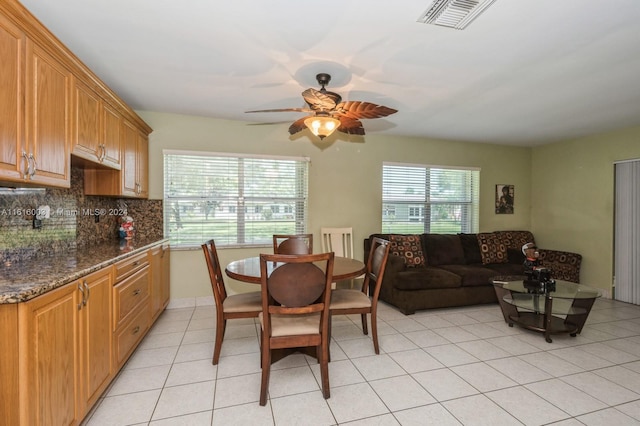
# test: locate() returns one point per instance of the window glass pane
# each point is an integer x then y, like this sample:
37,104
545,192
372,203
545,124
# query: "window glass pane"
419,199
236,200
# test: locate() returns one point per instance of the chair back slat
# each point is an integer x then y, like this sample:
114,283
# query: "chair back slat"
215,272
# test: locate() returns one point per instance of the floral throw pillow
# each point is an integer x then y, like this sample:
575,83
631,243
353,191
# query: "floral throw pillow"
492,248
409,247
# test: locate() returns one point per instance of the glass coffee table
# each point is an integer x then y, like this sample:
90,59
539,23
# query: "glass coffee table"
563,310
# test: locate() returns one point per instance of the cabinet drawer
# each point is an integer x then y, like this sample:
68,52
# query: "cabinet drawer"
128,337
128,266
129,295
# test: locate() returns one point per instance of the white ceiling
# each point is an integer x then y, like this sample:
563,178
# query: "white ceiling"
526,72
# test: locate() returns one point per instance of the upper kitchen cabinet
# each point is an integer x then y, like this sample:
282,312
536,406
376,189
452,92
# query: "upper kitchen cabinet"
132,180
12,164
96,128
53,107
48,108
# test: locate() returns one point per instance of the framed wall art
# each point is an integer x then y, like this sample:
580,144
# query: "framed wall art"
505,195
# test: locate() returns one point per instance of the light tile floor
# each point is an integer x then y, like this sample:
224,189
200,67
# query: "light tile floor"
437,367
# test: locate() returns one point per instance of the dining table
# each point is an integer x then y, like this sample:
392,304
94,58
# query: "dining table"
248,269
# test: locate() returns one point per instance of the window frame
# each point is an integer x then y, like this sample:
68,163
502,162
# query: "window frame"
237,192
419,204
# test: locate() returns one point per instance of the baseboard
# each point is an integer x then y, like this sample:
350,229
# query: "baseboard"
190,302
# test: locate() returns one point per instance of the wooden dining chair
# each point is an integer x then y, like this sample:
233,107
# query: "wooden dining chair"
337,240
358,301
295,310
293,244
243,305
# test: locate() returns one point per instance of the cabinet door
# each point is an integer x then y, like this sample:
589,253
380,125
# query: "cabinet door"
142,166
12,165
111,129
47,106
95,336
129,159
86,127
155,259
49,363
166,274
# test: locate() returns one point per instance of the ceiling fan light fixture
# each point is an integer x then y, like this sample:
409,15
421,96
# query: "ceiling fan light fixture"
322,125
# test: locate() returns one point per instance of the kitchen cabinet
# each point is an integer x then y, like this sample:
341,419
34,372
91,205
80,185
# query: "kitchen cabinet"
53,105
131,306
159,258
12,41
64,364
47,107
62,349
132,180
96,128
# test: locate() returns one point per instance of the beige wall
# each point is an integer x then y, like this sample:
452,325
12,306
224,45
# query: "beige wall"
345,179
572,198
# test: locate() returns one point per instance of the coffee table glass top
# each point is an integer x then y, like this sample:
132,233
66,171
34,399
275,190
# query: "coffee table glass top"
565,293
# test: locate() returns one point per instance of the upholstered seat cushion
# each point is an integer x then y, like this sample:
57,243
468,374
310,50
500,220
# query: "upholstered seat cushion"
343,299
293,325
426,278
243,302
471,276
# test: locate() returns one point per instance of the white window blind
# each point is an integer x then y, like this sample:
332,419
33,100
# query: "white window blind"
236,200
429,199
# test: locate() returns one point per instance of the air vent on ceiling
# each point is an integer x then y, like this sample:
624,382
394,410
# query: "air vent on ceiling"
456,14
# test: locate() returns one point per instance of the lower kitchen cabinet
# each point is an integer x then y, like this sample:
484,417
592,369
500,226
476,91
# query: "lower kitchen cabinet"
64,334
62,349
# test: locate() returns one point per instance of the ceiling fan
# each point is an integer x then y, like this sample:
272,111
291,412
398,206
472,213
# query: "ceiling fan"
329,113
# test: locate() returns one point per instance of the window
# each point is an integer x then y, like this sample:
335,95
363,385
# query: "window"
237,200
429,199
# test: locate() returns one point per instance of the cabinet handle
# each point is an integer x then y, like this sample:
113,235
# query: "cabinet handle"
135,330
104,152
82,302
86,286
27,172
136,263
35,166
136,292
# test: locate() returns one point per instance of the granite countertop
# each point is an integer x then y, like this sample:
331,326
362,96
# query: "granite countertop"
22,281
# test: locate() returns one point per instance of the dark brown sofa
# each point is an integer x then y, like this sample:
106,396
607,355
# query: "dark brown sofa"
427,271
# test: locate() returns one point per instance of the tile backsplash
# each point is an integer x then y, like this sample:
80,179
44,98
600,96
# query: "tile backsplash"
72,220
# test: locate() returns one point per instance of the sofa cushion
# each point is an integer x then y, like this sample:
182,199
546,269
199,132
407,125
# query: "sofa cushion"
443,249
492,249
507,268
409,247
426,278
472,275
471,248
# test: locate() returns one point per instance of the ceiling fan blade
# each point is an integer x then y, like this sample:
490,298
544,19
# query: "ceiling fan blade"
357,109
282,110
319,101
351,126
297,126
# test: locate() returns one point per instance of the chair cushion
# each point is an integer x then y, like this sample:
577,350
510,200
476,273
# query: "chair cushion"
293,325
492,249
344,299
409,247
243,302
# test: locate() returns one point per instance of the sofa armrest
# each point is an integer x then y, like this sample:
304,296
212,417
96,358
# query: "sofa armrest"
564,265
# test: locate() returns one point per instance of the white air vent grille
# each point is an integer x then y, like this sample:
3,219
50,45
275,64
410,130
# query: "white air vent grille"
454,13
